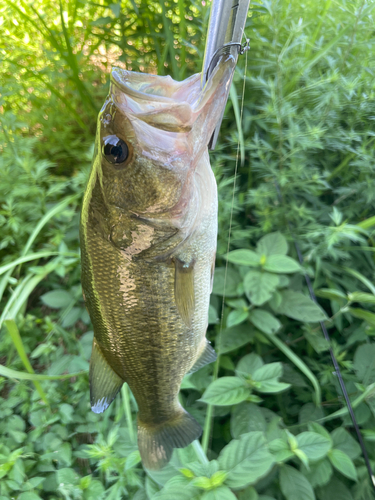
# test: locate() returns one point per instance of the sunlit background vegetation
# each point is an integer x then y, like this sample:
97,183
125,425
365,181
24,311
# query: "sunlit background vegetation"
280,429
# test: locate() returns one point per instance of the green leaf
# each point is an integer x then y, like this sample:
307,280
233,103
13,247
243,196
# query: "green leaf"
177,487
246,460
297,306
364,363
226,391
336,490
29,495
319,429
265,321
249,364
250,493
366,298
244,258
267,376
272,386
202,482
72,317
246,417
281,264
132,459
236,317
212,315
315,446
294,485
272,244
234,337
115,8
363,314
281,450
343,464
57,299
269,371
231,282
221,493
320,473
95,490
67,477
259,286
140,495
344,441
331,294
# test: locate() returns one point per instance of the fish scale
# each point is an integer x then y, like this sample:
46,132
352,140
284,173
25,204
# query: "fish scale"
148,238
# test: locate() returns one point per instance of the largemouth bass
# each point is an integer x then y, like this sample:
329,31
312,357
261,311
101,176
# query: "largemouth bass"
148,239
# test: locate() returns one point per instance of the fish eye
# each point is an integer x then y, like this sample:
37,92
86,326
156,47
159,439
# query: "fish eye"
115,149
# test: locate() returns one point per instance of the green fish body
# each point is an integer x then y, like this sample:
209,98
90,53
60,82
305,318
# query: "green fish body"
148,240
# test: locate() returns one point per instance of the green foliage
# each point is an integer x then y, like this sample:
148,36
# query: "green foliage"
275,427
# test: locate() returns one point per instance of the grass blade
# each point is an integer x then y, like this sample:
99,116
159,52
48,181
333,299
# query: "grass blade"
237,114
127,410
16,292
43,221
17,341
367,223
182,32
369,392
14,374
169,39
27,258
72,62
297,361
361,278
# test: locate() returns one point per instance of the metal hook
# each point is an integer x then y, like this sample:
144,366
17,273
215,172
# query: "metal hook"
241,50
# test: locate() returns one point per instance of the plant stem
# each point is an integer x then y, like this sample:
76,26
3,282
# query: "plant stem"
202,457
128,413
18,344
207,428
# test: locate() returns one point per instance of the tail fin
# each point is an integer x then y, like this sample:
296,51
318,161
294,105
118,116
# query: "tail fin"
156,443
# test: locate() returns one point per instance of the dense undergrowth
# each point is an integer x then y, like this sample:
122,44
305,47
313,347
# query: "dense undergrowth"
275,424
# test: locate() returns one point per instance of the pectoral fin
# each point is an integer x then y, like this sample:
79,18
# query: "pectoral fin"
207,356
104,382
184,290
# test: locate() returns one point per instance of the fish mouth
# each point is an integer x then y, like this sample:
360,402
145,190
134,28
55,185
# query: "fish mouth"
159,101
155,88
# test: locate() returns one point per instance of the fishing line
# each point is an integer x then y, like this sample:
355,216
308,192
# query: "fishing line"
337,371
208,428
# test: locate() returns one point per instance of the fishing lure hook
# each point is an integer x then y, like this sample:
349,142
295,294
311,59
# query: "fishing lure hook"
242,48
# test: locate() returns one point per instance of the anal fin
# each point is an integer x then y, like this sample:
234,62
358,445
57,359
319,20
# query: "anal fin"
104,382
184,290
208,355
